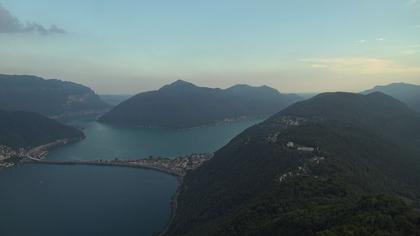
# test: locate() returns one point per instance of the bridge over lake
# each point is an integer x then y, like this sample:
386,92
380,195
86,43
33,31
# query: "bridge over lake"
177,167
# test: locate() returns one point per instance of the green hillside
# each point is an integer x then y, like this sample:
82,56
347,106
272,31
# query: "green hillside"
184,105
53,98
359,180
27,129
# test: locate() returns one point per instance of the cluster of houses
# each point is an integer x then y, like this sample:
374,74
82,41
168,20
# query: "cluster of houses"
178,166
290,121
303,170
7,153
292,145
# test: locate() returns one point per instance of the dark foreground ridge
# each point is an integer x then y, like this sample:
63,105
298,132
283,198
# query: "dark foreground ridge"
336,164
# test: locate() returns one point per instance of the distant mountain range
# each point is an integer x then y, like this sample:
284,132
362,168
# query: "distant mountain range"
407,93
27,129
52,98
183,105
336,164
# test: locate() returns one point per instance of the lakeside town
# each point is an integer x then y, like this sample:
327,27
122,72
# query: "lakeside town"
179,166
10,157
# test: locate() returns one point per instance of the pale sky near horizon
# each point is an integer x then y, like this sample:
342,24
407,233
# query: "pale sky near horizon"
125,47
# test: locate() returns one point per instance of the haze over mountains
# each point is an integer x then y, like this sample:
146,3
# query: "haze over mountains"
407,93
52,98
210,118
261,183
183,105
26,102
335,164
114,100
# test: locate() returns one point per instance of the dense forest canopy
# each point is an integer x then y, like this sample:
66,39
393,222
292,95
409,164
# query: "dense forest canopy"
361,178
53,98
27,129
183,105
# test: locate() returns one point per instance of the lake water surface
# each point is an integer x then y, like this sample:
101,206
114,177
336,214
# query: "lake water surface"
88,200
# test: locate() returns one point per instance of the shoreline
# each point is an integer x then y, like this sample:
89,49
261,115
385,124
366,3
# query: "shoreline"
177,167
174,207
165,166
36,153
214,123
174,199
41,151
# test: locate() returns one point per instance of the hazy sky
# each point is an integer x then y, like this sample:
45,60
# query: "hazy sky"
127,46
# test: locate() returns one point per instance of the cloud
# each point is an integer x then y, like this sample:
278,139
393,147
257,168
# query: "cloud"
363,66
11,24
361,41
319,66
413,3
380,39
411,50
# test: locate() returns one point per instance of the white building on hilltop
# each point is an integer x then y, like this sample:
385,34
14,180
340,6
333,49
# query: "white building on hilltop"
306,149
290,144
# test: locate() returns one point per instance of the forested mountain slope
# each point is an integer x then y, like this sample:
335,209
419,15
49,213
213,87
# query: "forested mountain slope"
184,105
361,178
52,98
28,129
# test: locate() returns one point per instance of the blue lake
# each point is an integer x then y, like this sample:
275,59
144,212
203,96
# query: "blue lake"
87,200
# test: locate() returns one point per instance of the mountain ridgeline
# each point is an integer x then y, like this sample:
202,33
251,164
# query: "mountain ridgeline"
407,93
336,164
184,105
20,129
52,98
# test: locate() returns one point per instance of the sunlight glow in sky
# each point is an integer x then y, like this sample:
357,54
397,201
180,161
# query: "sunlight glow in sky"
125,47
